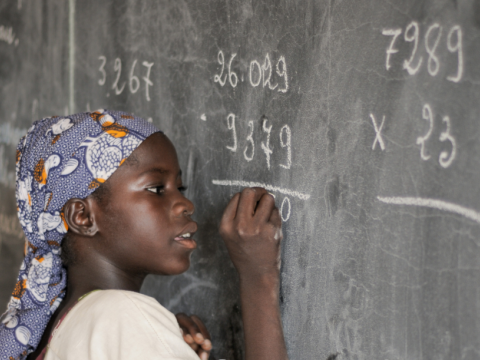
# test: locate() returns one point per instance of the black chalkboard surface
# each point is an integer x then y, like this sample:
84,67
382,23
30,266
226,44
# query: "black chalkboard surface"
362,117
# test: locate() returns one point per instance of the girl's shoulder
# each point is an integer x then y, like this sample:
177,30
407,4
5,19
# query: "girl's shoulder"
118,324
124,306
119,299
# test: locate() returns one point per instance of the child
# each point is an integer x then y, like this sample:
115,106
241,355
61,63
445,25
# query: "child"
100,196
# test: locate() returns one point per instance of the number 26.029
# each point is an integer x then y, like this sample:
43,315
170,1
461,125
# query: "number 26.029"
133,81
258,74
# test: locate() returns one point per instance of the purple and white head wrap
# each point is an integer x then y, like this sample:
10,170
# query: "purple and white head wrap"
58,159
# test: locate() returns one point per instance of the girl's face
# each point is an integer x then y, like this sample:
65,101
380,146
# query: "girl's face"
145,225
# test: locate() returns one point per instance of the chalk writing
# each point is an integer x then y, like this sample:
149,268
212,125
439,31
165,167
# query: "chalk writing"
221,61
378,133
285,209
445,158
7,35
282,73
286,144
231,126
434,204
433,36
257,74
194,282
101,81
250,140
345,326
117,67
427,115
266,145
458,48
407,64
272,188
267,66
394,33
249,150
146,78
232,76
433,63
134,82
254,64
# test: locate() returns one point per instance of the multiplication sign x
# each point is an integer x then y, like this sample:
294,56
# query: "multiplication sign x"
378,133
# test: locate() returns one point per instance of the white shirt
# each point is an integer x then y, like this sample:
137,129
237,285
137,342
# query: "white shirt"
118,325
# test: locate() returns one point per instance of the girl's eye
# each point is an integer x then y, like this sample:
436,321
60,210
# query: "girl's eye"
161,189
157,189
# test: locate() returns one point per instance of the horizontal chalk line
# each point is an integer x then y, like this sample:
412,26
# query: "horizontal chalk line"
271,188
434,204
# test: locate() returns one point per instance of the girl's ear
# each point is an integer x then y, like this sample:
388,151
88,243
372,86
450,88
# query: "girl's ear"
79,216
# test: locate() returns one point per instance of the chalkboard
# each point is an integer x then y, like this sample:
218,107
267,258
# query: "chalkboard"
361,117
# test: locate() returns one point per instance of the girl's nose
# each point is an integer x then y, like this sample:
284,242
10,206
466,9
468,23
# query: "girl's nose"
184,206
190,209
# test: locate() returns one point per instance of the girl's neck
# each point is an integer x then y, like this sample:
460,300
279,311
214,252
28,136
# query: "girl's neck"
99,274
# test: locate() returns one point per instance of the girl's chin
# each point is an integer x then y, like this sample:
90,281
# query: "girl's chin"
176,270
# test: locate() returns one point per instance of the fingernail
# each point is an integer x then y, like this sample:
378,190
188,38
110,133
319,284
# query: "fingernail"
207,344
204,356
188,338
199,337
271,194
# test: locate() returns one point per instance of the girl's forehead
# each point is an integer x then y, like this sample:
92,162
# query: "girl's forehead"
156,148
155,156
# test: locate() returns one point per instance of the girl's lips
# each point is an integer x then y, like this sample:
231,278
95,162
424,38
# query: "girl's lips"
189,243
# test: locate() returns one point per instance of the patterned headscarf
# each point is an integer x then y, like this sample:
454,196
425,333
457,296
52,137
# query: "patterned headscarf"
60,158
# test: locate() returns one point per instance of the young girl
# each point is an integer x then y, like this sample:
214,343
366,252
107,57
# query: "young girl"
100,198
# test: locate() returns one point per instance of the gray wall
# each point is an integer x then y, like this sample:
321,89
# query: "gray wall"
378,184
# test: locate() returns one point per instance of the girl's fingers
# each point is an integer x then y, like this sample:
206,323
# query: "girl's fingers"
186,336
190,329
231,209
265,208
275,218
248,202
203,354
206,344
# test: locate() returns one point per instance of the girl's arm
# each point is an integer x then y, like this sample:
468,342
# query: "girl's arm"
251,229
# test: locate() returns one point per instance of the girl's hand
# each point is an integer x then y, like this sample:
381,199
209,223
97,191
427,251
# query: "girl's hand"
252,230
195,334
